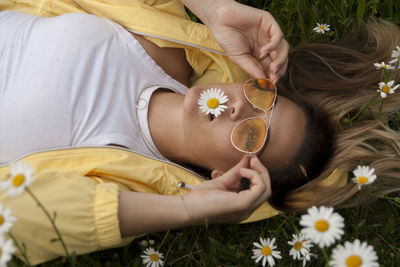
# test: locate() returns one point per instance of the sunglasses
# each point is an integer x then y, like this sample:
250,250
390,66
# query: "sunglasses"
249,135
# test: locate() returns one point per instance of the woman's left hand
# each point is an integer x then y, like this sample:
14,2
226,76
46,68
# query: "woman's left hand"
243,31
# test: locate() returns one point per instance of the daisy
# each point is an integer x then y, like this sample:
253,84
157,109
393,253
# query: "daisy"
152,258
21,176
307,257
383,65
6,219
396,56
300,246
210,101
144,243
6,250
322,28
386,88
322,226
354,254
265,251
363,175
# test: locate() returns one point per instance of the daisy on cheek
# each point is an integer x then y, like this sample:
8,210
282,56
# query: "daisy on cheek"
211,101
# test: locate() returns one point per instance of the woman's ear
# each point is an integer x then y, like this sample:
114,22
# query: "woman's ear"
215,174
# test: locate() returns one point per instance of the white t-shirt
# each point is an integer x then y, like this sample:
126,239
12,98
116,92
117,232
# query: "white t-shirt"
74,80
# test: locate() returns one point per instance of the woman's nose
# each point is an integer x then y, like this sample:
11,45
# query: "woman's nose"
236,109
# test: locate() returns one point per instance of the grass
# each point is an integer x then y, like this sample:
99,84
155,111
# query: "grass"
231,245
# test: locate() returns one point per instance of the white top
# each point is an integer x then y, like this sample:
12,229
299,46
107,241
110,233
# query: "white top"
74,80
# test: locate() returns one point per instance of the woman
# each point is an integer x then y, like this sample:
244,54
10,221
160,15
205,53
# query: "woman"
281,151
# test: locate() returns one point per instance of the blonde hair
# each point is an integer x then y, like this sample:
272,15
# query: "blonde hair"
340,78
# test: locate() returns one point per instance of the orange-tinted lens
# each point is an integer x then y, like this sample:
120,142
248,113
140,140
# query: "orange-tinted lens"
260,92
249,135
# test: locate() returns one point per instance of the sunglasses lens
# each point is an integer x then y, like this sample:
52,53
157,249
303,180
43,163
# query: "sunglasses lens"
260,92
249,135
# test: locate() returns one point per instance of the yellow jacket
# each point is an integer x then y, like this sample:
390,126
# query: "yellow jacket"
82,184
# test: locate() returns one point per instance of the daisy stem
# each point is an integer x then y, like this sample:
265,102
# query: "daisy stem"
325,256
363,107
51,221
23,252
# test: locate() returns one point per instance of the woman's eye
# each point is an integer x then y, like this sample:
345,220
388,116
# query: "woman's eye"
211,116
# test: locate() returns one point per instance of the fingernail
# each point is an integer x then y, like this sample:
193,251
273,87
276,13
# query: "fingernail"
276,70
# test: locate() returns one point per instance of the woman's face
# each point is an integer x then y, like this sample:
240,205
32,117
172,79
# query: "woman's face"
208,138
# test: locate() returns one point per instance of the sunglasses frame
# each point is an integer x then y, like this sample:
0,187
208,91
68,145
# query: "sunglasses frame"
267,123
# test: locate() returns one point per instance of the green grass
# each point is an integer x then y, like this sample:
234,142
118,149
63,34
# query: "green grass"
231,245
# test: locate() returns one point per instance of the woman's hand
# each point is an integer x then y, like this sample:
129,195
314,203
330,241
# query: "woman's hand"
215,201
243,31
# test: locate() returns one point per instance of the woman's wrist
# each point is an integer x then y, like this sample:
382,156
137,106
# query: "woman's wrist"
205,10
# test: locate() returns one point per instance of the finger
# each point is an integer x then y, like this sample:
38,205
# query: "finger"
279,56
275,77
276,36
249,65
265,63
257,165
232,176
257,193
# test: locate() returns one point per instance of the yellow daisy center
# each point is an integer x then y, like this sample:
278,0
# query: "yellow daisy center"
18,180
213,103
353,261
1,219
1,251
362,179
398,57
298,245
266,251
154,257
322,27
322,225
385,89
383,66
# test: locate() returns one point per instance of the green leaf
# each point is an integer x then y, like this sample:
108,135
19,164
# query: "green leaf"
361,9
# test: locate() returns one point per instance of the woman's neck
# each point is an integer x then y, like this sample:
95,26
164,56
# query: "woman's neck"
165,119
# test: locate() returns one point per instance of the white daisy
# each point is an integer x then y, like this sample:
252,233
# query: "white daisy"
211,101
6,250
144,243
386,88
307,257
265,251
21,176
354,254
322,226
363,175
6,219
396,56
152,257
151,242
322,28
300,246
383,65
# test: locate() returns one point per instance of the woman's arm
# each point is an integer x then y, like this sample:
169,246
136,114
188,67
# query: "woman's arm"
243,31
214,201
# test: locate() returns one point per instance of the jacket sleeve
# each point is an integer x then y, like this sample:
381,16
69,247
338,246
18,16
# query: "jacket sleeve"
86,215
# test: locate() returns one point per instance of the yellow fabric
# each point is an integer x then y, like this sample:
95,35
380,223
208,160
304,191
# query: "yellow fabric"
82,184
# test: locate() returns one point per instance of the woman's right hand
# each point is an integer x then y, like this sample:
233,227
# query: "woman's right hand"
215,201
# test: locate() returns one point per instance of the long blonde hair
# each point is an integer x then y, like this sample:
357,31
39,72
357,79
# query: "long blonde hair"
340,78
